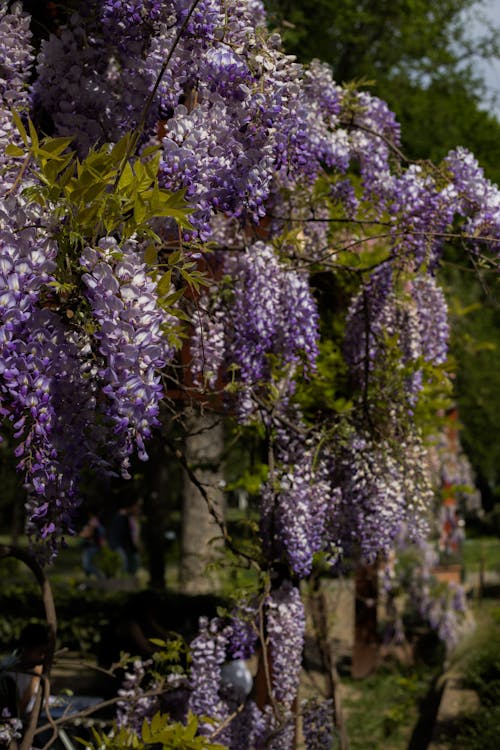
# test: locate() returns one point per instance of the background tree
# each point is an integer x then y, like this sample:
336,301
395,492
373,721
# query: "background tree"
421,57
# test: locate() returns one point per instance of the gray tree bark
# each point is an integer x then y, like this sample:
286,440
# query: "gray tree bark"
201,537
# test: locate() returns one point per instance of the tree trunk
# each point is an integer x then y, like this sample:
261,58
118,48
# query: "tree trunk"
156,504
202,497
366,642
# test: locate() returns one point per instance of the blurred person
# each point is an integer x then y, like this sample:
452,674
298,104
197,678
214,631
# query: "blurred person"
124,534
93,538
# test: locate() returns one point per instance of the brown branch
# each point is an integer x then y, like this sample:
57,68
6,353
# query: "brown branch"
50,615
20,174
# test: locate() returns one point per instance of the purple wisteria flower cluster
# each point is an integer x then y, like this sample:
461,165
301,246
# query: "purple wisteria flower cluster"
478,199
407,311
266,314
46,393
285,625
208,654
16,60
296,500
131,340
135,704
382,488
317,724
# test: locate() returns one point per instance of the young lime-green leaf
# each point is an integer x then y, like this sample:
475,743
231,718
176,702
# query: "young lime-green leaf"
180,218
126,177
34,137
140,210
173,298
120,149
51,169
177,199
54,146
93,191
163,286
149,150
13,150
153,165
178,313
151,255
191,727
191,280
19,125
88,215
174,258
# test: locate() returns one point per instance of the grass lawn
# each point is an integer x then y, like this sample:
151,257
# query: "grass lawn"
481,552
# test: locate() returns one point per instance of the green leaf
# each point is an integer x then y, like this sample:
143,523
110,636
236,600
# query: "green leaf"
151,255
54,146
13,150
164,283
120,149
34,137
173,298
140,210
20,127
126,177
174,258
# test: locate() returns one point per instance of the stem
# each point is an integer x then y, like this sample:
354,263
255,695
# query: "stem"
211,508
134,141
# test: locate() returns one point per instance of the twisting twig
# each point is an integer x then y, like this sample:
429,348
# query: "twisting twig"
134,141
20,174
210,505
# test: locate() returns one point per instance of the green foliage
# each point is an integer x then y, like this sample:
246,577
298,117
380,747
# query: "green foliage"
366,39
479,729
171,655
101,195
482,552
380,712
418,56
475,322
109,561
106,194
482,671
326,388
160,732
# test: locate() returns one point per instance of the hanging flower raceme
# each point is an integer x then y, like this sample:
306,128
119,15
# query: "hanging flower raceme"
474,197
46,383
285,626
130,338
296,499
16,60
383,488
387,328
317,724
265,318
208,654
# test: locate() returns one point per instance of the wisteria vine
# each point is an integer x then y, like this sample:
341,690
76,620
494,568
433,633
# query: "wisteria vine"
286,174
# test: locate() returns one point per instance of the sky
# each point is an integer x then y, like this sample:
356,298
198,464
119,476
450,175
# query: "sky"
491,71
